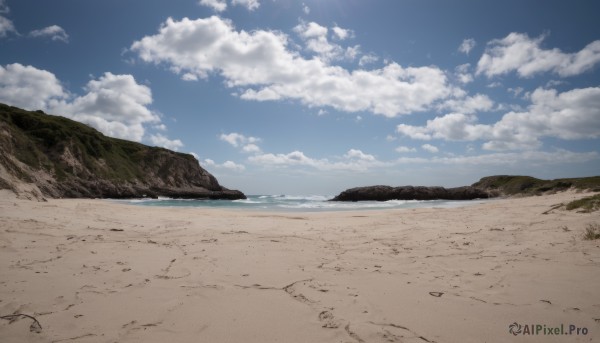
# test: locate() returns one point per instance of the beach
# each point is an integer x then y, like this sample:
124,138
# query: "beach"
96,271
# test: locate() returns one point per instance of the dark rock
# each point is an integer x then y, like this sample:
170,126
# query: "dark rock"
66,159
385,193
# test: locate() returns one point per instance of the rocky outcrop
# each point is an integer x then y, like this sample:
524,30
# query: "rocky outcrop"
385,193
486,187
52,156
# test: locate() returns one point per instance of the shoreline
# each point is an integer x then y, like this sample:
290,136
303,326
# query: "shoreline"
297,204
95,271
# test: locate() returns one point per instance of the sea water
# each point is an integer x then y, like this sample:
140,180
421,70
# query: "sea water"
313,203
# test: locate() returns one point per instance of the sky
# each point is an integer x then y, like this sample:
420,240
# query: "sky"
316,96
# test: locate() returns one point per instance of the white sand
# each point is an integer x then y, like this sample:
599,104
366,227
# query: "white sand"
203,275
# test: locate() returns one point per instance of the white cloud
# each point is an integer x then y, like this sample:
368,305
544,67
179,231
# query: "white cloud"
403,149
316,41
430,148
305,9
263,67
229,165
570,115
216,5
6,27
189,77
251,148
530,157
342,34
359,155
467,45
353,160
116,105
233,166
251,5
453,126
367,59
28,87
237,140
163,141
54,32
515,91
518,52
462,73
468,105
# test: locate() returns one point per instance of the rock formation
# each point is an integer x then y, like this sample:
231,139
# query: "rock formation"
385,193
50,156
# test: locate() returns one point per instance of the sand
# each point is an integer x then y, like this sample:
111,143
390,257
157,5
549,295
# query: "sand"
96,271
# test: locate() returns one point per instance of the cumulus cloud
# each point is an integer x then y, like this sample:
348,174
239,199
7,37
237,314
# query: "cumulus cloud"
518,52
263,67
247,144
28,87
359,155
570,115
462,73
367,59
116,105
342,34
251,5
162,141
316,40
353,160
468,104
229,165
467,45
216,5
54,32
250,148
430,148
403,149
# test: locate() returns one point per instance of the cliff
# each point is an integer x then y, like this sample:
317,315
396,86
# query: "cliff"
50,156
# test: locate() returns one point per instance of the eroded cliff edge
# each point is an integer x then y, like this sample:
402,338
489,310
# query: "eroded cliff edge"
50,156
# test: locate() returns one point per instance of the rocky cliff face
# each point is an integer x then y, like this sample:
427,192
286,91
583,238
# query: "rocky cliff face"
385,193
49,156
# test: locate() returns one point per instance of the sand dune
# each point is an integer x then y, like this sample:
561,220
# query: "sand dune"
94,271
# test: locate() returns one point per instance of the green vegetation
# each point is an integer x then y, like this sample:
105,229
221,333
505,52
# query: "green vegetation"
587,204
527,185
592,232
38,139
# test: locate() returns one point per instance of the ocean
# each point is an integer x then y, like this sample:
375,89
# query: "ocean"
291,203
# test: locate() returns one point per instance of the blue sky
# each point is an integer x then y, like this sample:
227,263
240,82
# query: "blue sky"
312,97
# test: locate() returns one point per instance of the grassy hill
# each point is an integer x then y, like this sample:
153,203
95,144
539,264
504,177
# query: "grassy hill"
65,158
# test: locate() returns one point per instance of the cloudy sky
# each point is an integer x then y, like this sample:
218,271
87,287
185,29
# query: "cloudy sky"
315,96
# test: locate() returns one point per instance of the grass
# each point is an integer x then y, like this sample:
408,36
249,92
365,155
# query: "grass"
587,204
527,185
38,140
592,232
